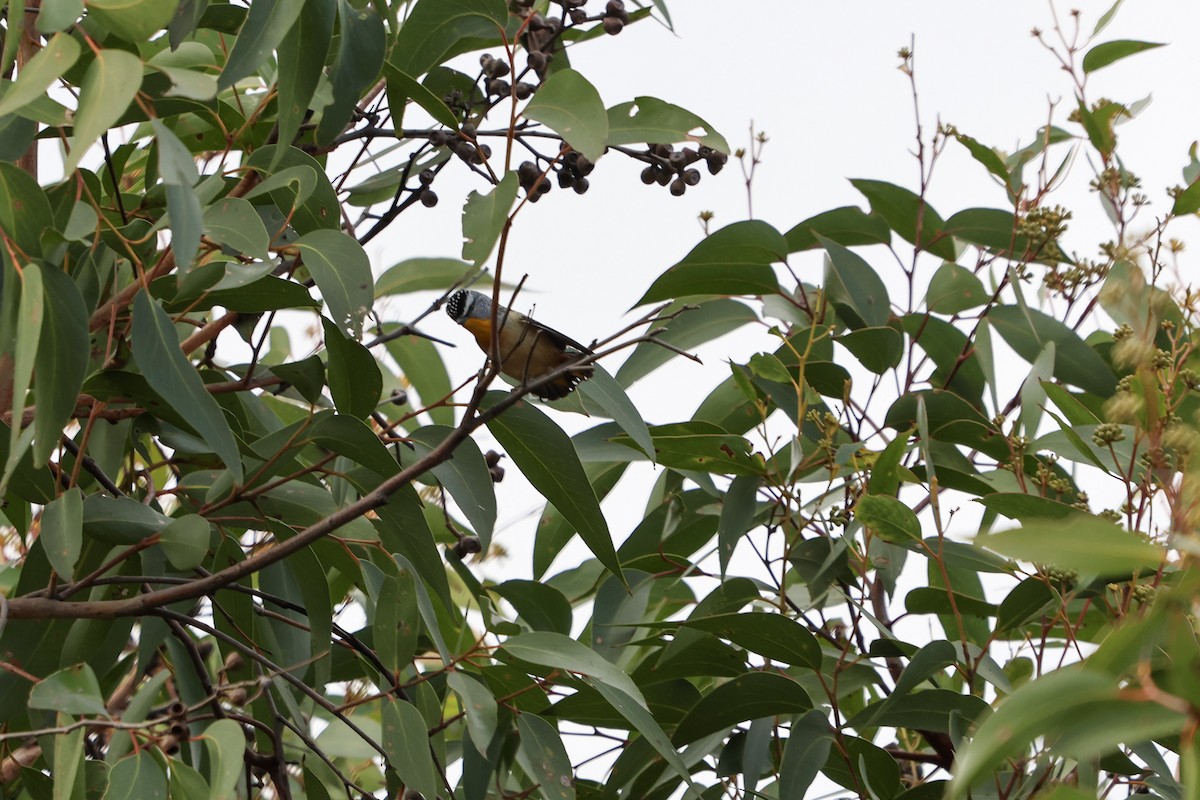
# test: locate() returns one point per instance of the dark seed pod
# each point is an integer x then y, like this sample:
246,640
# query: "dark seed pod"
578,16
426,177
583,165
499,68
486,62
496,473
400,397
581,185
715,164
649,175
537,60
527,173
537,23
614,6
492,458
613,26
691,177
690,156
498,87
678,187
524,90
469,130
663,176
467,545
429,200
543,186
565,178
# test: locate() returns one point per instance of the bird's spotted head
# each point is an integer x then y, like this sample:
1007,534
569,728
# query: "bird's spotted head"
465,304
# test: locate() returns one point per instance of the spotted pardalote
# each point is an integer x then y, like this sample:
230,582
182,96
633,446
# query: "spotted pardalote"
528,349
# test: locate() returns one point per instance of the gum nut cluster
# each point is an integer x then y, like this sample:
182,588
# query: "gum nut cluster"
463,144
572,173
673,168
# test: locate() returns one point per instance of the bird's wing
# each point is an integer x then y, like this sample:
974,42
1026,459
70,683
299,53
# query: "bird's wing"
560,339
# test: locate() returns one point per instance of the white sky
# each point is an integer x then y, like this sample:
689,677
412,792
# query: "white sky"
821,80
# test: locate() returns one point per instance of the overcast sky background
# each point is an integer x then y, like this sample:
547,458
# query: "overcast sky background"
821,80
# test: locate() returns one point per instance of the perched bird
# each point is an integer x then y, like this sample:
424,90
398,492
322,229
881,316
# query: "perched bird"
528,349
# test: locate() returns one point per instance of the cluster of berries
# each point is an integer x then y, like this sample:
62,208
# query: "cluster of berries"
671,167
541,37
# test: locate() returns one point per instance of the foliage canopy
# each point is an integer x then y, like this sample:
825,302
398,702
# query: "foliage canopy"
232,570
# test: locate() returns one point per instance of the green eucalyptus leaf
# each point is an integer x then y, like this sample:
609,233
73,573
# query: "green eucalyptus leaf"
848,226
24,208
648,119
132,20
889,518
354,378
137,777
233,222
953,289
406,741
908,215
691,328
301,54
46,66
342,271
770,635
171,375
735,260
1028,330
1084,543
484,217
852,283
73,690
264,29
1107,53
435,28
178,170
361,48
62,532
226,745
748,696
185,541
108,87
547,458
61,363
544,758
570,106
